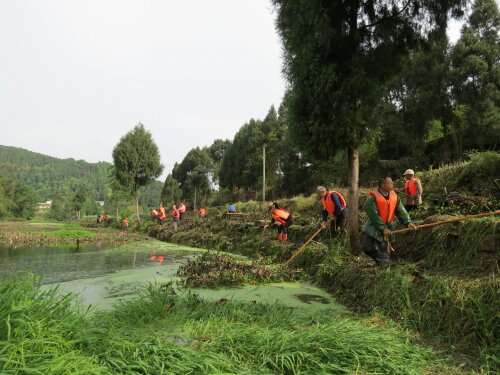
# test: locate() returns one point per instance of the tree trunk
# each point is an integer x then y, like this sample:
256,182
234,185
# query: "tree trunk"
353,199
137,207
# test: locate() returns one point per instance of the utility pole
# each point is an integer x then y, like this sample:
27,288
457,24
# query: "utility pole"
195,199
264,173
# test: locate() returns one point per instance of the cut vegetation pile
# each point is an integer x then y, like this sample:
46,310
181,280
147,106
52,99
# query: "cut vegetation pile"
212,270
163,333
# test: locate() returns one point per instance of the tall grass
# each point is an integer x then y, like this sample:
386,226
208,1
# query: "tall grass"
162,333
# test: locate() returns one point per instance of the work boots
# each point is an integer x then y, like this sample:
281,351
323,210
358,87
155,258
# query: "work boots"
285,237
280,237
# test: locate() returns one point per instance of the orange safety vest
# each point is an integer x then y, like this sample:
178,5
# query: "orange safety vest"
125,221
182,208
328,203
411,187
163,214
175,214
386,206
280,215
202,211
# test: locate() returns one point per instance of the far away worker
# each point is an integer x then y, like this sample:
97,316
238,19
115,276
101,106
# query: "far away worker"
163,214
182,210
381,206
175,216
203,213
282,218
334,206
413,191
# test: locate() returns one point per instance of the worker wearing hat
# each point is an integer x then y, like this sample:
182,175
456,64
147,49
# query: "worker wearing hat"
413,191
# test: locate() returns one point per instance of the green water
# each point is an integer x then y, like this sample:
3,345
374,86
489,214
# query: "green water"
104,273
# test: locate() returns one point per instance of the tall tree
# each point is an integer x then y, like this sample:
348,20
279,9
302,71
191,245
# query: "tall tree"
339,56
171,192
217,151
195,172
136,161
476,76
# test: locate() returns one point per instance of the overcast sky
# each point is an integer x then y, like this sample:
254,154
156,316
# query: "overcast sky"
75,75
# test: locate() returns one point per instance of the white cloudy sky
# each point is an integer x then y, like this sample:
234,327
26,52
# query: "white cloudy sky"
75,75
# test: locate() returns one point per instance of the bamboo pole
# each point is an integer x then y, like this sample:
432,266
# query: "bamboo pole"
303,247
497,212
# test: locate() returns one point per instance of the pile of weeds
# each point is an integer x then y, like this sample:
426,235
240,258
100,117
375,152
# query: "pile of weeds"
212,270
160,332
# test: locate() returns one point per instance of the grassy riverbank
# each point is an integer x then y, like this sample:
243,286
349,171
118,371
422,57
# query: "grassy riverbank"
162,333
442,283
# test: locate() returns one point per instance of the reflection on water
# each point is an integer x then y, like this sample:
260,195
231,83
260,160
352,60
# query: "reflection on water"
65,263
102,274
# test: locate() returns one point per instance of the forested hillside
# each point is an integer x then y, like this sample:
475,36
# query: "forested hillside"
51,177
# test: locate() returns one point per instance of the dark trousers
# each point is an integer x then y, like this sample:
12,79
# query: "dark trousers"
410,207
377,250
283,228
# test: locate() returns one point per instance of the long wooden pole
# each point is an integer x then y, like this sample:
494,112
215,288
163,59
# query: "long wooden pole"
497,212
303,246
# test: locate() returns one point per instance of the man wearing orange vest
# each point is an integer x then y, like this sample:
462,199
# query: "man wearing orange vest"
203,213
282,218
175,216
382,206
182,210
334,205
163,214
413,191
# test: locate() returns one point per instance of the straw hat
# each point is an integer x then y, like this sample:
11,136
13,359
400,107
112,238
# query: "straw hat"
409,171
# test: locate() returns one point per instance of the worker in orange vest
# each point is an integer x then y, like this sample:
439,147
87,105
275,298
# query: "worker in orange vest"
125,223
282,218
162,215
182,210
175,216
413,191
334,206
203,213
382,206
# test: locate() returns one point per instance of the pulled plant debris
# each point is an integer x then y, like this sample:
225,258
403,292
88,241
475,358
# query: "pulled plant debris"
212,270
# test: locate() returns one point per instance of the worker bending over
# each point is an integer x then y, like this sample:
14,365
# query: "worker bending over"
382,206
413,191
334,206
282,218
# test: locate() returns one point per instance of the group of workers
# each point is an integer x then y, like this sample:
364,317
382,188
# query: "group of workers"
176,213
382,206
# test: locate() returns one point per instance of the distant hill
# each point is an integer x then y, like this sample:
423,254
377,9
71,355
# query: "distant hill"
53,178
